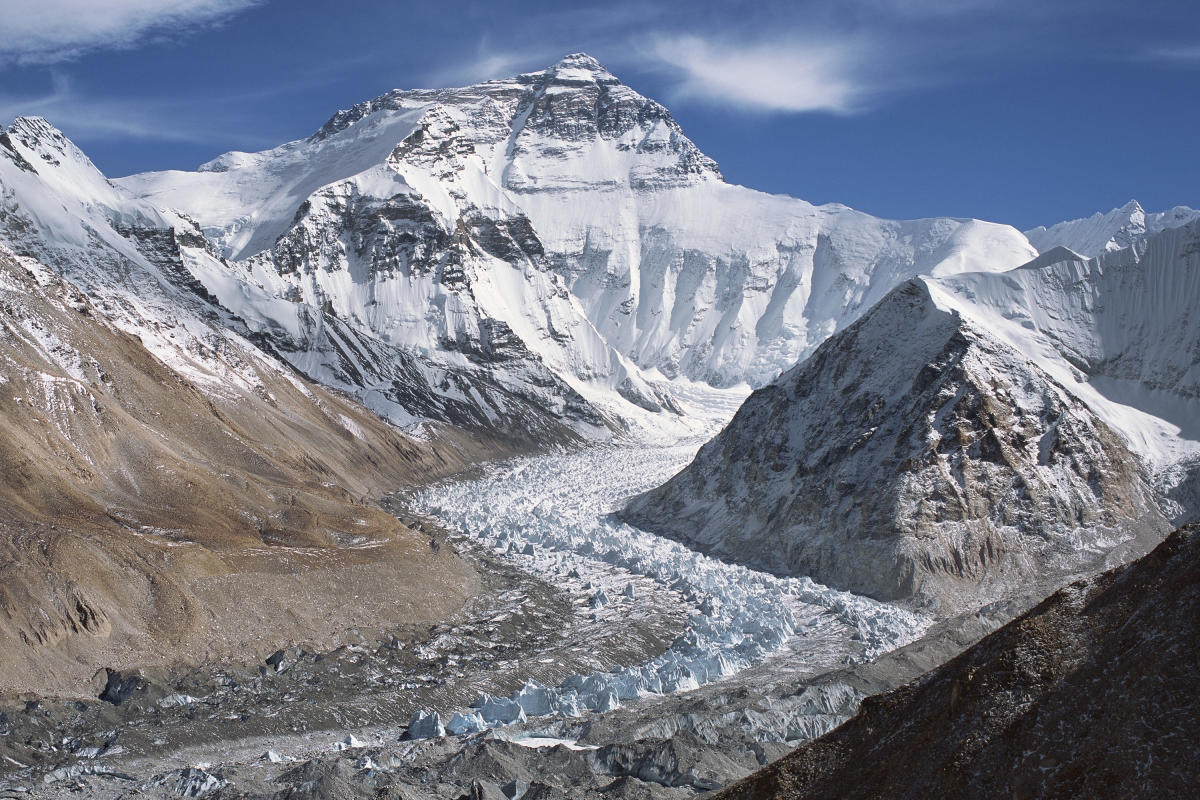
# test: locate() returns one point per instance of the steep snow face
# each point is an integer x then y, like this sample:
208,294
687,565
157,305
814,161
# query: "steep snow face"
913,456
1106,233
1120,331
569,216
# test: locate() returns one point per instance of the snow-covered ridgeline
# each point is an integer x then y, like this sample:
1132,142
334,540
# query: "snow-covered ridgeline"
1109,232
552,516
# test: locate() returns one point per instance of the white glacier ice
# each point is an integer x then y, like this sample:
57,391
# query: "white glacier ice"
562,505
426,725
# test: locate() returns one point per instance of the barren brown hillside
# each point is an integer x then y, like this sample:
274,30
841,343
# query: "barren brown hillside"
148,519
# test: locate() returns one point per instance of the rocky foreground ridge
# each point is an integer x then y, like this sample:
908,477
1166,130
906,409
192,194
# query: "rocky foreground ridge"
1090,694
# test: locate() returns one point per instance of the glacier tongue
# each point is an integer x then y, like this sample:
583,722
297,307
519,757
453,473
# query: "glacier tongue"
562,505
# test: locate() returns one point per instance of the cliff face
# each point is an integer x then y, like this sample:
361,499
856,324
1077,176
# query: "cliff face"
1090,694
913,456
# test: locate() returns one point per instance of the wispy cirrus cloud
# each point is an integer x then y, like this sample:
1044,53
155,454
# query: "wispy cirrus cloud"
832,74
92,116
48,31
1183,55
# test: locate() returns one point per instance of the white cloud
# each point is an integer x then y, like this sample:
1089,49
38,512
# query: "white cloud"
89,116
1186,55
828,74
46,31
488,65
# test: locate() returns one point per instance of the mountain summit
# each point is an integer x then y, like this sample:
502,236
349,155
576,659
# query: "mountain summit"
553,221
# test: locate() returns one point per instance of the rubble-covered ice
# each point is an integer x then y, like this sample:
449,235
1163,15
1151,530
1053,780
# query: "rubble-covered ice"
553,516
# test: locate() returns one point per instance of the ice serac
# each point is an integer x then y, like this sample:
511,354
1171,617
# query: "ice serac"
1105,233
556,231
913,456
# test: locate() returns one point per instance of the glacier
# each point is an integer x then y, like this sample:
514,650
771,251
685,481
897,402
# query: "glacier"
563,504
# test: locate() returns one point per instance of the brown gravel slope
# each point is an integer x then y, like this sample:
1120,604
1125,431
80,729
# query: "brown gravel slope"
146,519
1093,693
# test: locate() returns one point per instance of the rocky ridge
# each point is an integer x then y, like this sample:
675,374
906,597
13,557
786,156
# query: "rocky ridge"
948,470
1091,693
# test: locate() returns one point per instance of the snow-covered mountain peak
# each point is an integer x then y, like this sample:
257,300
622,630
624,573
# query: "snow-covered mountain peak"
1108,232
568,210
36,133
580,68
56,205
1132,211
36,146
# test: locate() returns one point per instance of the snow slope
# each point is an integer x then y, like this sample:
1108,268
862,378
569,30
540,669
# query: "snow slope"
565,216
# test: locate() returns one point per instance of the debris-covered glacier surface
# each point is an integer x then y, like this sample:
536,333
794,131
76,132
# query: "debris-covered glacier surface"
553,516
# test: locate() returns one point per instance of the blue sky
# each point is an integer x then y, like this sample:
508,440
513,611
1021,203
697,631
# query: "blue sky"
1018,111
